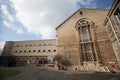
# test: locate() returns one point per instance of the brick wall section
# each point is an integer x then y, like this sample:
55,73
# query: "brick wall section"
67,34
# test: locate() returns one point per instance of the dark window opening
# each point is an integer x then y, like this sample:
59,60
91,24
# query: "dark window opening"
81,13
33,50
29,50
117,13
54,50
48,50
38,50
44,44
25,51
78,28
43,50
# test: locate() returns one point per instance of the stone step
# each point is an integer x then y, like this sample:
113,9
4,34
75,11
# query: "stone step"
93,68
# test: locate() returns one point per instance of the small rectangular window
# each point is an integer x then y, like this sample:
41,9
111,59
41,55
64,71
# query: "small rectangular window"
48,50
44,44
38,50
25,51
54,50
33,50
29,50
43,50
81,13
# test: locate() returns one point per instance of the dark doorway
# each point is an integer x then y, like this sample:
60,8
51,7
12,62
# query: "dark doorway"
43,61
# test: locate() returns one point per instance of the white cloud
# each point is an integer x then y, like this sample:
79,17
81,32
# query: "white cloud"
9,19
19,31
8,24
6,13
11,26
41,17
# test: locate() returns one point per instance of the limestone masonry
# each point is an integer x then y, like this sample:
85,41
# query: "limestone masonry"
89,39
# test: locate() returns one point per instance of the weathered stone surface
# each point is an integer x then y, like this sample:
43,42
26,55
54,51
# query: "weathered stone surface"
67,35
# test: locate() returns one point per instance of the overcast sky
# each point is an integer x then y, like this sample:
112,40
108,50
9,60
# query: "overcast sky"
37,19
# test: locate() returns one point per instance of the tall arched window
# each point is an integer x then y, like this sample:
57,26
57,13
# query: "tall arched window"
84,27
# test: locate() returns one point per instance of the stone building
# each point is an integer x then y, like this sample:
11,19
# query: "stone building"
34,51
82,38
112,25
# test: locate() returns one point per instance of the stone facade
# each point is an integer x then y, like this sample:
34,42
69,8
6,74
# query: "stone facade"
112,25
84,40
81,38
31,51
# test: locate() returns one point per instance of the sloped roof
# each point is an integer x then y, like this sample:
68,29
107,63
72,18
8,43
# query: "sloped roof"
75,13
66,19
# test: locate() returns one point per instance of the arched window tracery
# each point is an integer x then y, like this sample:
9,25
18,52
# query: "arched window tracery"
88,50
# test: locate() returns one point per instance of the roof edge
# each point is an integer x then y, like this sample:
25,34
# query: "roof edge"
76,12
31,40
111,11
66,19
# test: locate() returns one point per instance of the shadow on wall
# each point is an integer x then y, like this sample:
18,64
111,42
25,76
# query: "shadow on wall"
7,61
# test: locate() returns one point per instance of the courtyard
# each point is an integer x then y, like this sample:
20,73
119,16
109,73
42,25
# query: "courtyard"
39,73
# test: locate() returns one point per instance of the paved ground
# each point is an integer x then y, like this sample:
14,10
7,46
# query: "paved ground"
33,73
